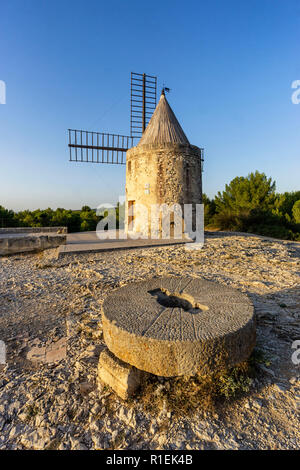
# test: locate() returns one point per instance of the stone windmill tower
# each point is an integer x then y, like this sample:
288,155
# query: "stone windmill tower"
164,168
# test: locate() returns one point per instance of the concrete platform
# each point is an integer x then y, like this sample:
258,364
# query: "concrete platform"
23,240
88,242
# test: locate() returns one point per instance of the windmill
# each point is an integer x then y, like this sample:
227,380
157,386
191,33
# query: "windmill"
101,147
163,147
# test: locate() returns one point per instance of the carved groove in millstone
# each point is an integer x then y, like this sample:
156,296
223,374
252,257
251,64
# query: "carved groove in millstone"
168,299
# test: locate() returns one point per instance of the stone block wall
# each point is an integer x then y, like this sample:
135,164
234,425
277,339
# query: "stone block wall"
34,230
31,242
161,174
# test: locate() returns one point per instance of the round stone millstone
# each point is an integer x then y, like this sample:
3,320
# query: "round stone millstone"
175,326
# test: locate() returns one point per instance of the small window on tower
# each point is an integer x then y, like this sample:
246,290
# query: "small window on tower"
187,177
129,167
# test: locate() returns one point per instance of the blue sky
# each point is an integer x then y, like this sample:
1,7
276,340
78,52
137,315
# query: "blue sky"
66,64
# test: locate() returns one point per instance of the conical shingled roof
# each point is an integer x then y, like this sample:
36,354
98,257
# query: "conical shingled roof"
163,126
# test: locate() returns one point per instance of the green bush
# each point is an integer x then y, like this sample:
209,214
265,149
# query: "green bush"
209,209
296,211
244,194
7,218
283,204
249,204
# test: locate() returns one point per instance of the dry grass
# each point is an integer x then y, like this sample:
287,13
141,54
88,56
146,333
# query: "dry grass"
185,395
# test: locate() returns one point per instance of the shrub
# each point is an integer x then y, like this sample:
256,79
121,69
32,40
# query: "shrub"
183,395
209,209
296,211
249,204
243,194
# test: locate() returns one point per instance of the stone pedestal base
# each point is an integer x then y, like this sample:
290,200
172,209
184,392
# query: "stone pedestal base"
123,378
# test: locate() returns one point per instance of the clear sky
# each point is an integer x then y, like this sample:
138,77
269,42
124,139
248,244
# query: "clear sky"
66,64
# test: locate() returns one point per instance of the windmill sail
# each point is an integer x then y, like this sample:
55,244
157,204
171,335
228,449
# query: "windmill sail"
142,102
100,147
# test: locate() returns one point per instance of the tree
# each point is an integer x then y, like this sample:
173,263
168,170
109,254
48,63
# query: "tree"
209,208
7,217
243,194
284,204
296,211
88,218
84,226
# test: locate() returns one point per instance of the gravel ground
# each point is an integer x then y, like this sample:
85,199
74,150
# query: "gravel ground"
50,322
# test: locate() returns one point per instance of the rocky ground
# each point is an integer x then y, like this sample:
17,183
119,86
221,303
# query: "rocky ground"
50,322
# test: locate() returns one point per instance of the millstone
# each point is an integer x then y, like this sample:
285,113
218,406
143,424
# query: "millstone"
175,326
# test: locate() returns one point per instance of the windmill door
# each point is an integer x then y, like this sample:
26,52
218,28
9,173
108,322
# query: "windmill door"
131,214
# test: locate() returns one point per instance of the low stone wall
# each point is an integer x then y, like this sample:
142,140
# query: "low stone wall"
34,230
32,242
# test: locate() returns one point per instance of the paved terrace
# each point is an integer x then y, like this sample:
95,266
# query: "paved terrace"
86,242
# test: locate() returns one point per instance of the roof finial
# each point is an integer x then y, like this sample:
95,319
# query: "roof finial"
164,90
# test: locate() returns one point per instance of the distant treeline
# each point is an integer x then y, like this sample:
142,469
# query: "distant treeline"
83,220
248,204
